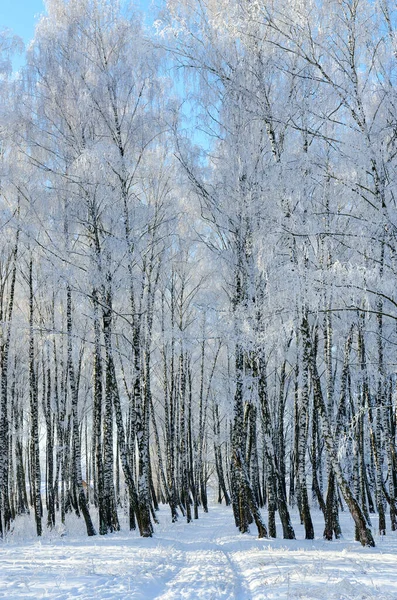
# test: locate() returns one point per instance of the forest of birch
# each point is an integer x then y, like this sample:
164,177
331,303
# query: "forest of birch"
197,259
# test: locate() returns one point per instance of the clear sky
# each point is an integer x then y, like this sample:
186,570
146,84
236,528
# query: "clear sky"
20,16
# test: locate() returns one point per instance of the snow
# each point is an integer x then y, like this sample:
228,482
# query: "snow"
207,559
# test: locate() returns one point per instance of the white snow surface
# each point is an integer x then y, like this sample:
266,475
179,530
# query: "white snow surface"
207,559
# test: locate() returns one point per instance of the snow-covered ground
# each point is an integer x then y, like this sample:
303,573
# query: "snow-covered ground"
207,559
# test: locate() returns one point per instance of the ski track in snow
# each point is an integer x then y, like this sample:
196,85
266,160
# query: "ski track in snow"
204,560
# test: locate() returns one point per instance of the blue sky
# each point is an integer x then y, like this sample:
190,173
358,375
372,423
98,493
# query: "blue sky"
20,16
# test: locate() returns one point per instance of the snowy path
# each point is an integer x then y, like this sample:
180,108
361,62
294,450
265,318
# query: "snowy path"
207,560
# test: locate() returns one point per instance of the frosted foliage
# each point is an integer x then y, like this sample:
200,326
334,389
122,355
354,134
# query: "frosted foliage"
197,287
61,13
9,44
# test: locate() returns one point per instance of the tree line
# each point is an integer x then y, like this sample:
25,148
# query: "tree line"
197,265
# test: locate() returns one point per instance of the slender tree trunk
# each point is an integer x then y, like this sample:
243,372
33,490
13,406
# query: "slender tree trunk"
34,413
76,455
303,415
109,501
